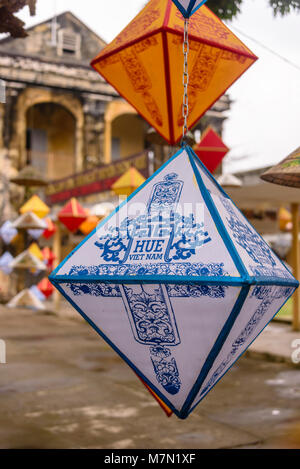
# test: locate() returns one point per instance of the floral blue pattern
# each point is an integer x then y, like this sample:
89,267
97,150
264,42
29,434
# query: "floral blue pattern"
182,233
266,294
151,316
256,248
175,269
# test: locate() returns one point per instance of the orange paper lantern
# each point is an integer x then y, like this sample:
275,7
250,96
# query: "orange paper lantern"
211,150
89,224
145,62
72,215
46,287
164,406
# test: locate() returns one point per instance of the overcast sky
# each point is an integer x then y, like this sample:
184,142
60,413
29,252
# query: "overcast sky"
264,122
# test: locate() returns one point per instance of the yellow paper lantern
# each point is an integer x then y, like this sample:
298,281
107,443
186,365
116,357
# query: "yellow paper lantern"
89,224
35,251
35,205
128,183
285,219
144,64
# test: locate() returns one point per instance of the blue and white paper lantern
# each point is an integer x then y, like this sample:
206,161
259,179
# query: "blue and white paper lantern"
8,232
5,262
188,7
35,234
177,281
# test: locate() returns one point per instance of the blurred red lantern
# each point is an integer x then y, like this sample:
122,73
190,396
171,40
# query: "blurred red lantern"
45,287
50,230
48,257
72,215
211,150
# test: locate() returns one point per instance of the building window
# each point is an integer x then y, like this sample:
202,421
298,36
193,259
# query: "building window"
115,149
69,43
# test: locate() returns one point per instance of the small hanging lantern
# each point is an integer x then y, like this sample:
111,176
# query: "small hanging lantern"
36,206
72,215
45,287
29,221
26,260
5,261
229,181
37,293
29,177
48,257
211,150
89,224
8,232
36,251
50,230
35,234
188,7
180,288
26,299
128,183
284,219
142,64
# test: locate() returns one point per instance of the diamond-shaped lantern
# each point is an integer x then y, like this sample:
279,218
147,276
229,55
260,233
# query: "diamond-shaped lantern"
36,206
48,257
128,182
188,7
45,287
51,229
211,150
72,215
177,281
145,61
8,232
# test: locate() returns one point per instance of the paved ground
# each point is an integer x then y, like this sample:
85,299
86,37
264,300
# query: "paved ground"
64,388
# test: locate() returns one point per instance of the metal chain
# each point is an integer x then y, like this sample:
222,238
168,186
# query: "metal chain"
185,105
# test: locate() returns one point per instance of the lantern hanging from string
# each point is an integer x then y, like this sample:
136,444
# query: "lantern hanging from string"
35,234
50,230
128,182
26,299
147,282
46,287
36,206
8,232
29,221
5,261
26,260
48,257
176,250
211,150
37,293
89,224
142,64
72,215
188,7
35,250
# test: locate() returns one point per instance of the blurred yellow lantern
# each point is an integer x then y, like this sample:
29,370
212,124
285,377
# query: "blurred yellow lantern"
144,63
285,219
36,206
35,251
128,183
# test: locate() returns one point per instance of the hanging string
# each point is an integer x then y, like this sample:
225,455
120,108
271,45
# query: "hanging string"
185,105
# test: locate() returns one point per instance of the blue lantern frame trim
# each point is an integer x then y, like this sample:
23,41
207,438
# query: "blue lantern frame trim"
187,13
245,281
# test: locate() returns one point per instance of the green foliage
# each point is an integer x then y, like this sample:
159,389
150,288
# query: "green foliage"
228,9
